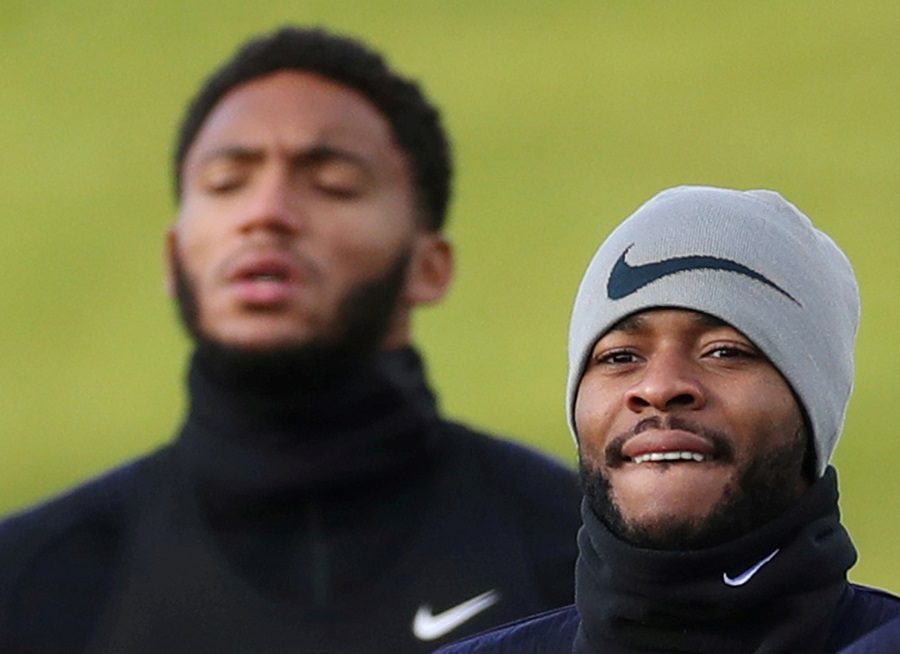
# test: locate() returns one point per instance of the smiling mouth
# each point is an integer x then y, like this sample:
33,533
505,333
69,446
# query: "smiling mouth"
669,457
657,442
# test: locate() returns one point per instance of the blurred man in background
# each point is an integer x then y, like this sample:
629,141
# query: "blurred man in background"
710,366
314,499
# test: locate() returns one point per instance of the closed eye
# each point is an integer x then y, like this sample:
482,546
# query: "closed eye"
220,187
337,190
222,176
338,176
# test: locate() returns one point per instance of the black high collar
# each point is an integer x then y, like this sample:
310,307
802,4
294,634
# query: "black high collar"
251,441
639,600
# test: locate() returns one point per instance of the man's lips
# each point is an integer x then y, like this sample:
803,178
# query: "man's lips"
267,278
654,440
667,445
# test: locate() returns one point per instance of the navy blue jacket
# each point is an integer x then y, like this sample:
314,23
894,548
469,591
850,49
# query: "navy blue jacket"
867,622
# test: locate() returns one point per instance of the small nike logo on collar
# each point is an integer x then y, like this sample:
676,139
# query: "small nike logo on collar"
427,626
625,279
747,574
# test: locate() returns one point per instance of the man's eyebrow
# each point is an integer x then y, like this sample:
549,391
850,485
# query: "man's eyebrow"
628,324
322,153
709,321
233,153
635,322
301,157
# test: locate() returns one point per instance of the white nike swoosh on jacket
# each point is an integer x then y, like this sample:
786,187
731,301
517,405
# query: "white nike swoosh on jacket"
427,626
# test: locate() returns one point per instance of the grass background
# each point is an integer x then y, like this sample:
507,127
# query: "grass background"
565,117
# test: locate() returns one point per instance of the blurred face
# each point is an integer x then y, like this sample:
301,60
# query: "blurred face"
295,197
688,435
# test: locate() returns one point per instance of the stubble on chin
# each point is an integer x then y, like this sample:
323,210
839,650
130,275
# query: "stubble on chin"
356,332
761,490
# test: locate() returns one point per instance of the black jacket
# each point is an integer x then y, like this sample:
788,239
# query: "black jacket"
781,589
350,520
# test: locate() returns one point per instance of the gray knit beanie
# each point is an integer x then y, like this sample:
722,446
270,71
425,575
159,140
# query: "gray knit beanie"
749,258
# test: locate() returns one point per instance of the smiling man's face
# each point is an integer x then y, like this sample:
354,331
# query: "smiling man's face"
688,435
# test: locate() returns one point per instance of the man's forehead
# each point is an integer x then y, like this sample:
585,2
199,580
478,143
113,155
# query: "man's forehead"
641,320
298,87
301,116
299,107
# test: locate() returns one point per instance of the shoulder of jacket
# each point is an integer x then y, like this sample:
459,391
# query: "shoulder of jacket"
513,460
867,622
65,543
24,533
542,484
545,633
884,639
874,603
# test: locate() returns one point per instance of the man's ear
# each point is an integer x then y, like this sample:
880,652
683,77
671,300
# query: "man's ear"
170,252
430,271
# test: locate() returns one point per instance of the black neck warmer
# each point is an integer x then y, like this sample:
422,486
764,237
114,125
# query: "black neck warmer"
246,439
639,600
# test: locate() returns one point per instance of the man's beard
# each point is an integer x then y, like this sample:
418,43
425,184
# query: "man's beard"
358,329
764,488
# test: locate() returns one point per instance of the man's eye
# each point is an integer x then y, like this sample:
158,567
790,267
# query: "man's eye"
616,357
338,190
729,352
339,179
222,179
224,185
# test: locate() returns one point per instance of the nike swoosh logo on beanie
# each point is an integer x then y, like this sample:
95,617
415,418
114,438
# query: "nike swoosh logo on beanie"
625,279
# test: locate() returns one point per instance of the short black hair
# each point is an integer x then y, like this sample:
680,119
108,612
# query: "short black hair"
415,122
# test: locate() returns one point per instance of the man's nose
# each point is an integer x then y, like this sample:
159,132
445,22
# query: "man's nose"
669,382
274,206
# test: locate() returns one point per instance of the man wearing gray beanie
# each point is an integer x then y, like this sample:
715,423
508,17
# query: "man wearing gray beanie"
710,366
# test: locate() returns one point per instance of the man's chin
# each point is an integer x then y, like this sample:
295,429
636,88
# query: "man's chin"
671,510
257,343
690,489
257,331
754,494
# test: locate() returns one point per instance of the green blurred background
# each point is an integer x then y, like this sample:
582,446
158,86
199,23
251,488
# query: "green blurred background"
565,116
